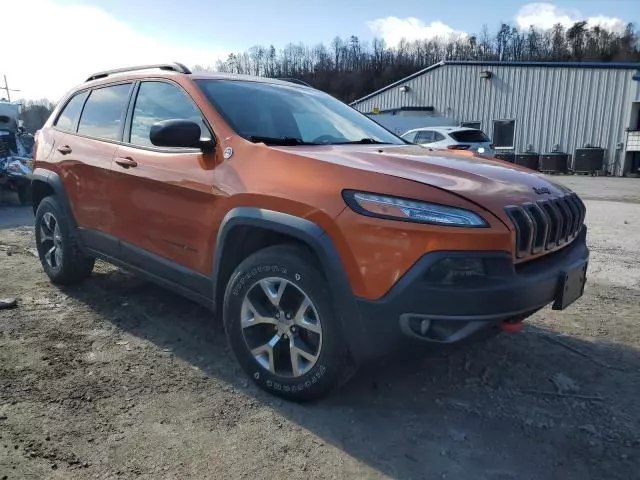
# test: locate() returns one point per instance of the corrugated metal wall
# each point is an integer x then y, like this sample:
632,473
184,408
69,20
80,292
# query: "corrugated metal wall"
569,107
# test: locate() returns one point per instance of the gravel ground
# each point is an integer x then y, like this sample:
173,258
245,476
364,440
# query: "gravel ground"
118,378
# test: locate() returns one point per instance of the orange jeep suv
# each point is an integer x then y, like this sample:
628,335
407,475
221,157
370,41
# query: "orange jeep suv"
321,239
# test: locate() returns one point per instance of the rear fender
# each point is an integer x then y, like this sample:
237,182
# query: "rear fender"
42,179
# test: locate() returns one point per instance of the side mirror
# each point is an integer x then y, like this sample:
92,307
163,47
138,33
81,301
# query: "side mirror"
178,133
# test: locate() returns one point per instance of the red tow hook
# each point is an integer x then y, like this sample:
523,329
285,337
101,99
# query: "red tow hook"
512,326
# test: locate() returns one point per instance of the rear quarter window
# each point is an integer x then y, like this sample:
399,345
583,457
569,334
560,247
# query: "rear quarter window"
425,136
68,118
470,136
437,137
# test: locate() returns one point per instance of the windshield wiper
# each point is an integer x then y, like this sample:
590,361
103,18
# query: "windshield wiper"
283,141
363,141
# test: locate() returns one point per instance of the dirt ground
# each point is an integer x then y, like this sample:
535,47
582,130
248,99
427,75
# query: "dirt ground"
118,378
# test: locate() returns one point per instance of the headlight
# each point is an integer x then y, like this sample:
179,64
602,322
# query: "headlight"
394,208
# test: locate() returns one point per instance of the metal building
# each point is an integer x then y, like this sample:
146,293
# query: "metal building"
526,106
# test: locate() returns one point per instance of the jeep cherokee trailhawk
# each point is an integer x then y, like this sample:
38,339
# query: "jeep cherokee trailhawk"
320,238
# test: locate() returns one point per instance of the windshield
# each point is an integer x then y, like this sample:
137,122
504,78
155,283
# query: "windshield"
473,136
289,115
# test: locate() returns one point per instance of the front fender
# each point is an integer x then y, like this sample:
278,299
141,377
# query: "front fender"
345,305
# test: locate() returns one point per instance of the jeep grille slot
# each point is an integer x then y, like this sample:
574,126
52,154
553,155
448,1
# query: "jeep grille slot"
547,224
524,229
541,227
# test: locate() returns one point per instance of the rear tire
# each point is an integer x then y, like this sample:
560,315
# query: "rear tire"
60,253
281,326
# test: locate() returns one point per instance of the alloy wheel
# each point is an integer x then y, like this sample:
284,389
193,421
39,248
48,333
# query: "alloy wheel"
281,327
51,241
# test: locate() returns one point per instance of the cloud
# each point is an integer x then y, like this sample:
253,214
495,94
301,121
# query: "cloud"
394,29
546,15
52,47
612,24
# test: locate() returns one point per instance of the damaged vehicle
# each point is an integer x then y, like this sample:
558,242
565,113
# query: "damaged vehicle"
16,148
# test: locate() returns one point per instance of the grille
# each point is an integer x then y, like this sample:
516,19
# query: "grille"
547,224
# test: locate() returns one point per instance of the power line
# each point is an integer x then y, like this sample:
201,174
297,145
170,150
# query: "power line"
7,89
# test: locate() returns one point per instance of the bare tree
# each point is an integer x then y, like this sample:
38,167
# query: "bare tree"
349,68
34,113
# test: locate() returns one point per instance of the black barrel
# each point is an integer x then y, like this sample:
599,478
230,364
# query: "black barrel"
554,162
588,160
529,160
506,156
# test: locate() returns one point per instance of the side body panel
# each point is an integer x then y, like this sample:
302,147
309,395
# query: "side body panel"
165,205
85,173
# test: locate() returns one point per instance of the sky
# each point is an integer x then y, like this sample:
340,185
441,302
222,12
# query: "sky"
56,44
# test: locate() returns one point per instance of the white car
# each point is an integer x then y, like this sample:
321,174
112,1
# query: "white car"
452,138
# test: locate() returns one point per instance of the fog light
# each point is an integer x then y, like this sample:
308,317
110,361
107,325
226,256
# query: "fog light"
455,270
424,326
418,324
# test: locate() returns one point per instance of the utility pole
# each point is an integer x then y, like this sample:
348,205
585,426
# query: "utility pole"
7,89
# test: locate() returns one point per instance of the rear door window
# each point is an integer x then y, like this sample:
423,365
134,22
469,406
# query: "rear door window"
103,114
469,136
425,136
68,118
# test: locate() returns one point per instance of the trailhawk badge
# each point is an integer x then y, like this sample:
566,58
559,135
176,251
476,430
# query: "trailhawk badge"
542,190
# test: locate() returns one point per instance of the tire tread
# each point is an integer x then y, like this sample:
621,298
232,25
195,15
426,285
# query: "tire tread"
337,371
76,264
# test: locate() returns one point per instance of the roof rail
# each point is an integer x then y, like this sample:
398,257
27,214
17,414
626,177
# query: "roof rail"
295,80
174,67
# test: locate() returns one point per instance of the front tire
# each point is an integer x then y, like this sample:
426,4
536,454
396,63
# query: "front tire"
281,326
60,254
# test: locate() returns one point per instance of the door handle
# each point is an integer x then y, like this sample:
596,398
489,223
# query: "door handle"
126,162
65,149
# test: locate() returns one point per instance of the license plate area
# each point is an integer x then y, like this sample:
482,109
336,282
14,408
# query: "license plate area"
570,286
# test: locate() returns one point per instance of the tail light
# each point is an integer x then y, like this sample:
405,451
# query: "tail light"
460,146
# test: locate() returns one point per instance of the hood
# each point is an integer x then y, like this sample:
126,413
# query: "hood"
489,183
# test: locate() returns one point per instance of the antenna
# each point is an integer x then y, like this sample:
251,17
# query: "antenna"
7,89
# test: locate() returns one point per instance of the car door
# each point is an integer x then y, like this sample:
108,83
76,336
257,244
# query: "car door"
163,199
86,133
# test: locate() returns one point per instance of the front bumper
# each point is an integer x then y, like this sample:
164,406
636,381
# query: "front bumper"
455,313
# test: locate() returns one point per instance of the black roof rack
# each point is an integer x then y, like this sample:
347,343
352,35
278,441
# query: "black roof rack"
174,67
295,80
